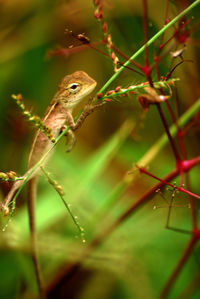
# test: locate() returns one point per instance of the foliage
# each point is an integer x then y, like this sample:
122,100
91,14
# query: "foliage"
141,227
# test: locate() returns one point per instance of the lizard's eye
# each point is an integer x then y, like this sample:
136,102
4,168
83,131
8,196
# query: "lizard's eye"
74,87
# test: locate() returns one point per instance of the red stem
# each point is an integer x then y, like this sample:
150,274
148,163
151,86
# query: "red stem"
166,21
181,189
68,271
180,137
145,26
127,57
176,154
192,205
178,268
180,140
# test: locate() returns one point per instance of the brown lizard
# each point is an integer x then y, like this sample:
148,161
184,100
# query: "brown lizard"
72,90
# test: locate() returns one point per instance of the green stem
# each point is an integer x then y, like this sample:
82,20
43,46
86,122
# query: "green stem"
146,159
159,33
61,194
107,84
122,91
142,162
37,165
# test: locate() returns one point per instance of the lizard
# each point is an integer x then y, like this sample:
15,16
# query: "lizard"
73,89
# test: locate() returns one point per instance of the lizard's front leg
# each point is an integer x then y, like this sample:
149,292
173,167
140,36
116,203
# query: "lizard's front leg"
88,109
71,139
70,136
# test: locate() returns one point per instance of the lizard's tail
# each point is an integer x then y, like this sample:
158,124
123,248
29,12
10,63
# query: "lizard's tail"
32,186
9,197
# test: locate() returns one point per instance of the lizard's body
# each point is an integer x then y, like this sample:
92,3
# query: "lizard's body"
72,90
57,114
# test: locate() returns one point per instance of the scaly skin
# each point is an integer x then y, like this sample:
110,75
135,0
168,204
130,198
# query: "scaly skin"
71,91
57,114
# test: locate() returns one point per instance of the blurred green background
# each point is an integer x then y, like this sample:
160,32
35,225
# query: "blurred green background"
138,258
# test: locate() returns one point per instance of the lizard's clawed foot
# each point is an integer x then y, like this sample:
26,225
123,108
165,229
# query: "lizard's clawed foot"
71,143
71,139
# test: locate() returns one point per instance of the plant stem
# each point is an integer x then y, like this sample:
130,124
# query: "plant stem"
178,268
171,141
66,273
142,162
141,50
37,165
162,141
148,158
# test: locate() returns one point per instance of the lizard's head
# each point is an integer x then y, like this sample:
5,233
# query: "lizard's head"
75,87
